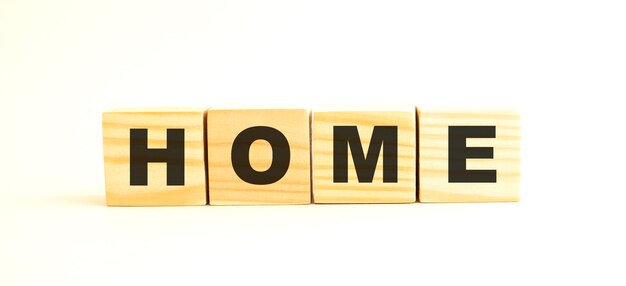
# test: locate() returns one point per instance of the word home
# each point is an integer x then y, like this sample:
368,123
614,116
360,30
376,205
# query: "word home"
156,157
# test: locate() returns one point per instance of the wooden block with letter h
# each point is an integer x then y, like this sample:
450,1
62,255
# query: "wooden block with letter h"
258,156
154,157
468,156
364,155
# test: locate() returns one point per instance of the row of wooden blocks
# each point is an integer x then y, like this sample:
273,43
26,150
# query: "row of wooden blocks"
221,156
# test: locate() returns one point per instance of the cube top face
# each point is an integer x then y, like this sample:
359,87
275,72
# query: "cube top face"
337,135
258,156
469,156
140,181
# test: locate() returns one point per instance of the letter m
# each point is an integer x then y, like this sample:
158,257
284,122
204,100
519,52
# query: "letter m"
382,136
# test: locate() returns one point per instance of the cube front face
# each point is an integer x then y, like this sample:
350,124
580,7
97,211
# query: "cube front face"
154,157
469,156
258,156
364,156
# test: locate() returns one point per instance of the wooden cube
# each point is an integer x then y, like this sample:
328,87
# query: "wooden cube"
364,155
469,156
258,156
154,157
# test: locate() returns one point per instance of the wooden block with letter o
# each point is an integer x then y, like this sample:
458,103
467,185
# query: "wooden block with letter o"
364,155
258,156
154,157
469,156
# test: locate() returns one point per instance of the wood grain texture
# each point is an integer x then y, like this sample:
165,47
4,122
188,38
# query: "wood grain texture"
433,156
326,191
227,188
116,127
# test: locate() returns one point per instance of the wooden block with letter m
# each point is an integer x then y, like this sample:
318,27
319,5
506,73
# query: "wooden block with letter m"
364,155
468,156
154,157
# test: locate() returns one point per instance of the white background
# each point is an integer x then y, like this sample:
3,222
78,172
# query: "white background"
562,64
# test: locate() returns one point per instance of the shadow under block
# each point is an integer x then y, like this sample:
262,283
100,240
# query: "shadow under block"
258,156
332,127
449,144
154,133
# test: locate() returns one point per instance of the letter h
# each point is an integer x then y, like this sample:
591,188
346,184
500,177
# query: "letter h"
173,156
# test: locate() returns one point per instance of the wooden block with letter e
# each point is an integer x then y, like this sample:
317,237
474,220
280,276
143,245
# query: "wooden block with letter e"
154,157
258,156
364,155
468,156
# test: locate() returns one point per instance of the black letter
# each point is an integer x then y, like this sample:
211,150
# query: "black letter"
387,136
458,152
240,155
173,155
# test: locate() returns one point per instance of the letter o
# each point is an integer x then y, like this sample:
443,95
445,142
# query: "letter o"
240,155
